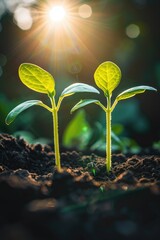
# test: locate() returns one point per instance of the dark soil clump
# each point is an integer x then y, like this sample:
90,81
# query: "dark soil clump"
81,202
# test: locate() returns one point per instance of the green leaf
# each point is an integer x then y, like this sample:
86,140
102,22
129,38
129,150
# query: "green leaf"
77,132
83,103
107,77
20,108
133,91
36,78
78,87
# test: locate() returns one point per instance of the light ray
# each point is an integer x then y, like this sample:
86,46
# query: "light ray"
57,13
56,41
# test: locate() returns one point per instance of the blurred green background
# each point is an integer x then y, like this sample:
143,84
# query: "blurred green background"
123,31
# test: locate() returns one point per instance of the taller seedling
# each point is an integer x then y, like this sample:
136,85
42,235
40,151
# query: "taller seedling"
41,81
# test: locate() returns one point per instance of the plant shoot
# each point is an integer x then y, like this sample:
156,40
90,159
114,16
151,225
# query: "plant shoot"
42,81
107,77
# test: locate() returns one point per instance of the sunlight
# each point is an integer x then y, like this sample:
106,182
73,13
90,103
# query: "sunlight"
57,14
62,31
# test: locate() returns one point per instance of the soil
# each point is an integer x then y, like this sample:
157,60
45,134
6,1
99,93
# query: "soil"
82,202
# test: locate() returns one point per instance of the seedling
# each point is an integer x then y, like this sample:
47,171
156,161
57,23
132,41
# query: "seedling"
42,81
107,77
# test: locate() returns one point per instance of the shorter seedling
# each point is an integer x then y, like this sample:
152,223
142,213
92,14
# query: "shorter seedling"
41,81
107,77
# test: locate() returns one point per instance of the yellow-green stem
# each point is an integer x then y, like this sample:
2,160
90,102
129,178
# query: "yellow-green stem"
55,134
56,139
108,136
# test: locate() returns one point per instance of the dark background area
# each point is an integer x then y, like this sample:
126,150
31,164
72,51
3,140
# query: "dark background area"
91,41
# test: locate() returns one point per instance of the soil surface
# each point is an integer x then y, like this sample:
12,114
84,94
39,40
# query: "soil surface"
82,202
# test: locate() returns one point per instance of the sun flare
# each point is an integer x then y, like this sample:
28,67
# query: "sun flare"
57,13
62,30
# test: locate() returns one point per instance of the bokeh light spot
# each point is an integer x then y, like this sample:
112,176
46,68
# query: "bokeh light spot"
85,11
23,18
132,31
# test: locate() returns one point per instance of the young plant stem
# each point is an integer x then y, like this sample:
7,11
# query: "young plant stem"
55,134
108,135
